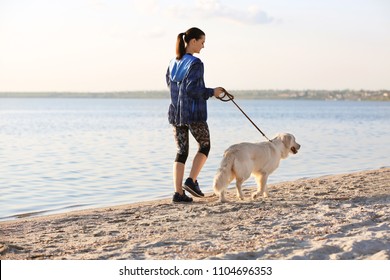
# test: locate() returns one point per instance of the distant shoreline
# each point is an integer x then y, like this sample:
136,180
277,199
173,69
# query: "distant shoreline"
353,95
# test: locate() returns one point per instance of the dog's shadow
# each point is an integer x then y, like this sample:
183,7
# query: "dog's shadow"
213,199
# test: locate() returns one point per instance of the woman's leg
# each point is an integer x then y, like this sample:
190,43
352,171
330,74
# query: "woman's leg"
178,174
201,133
197,165
182,143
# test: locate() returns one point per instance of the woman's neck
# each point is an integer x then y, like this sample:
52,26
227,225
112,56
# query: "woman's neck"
189,50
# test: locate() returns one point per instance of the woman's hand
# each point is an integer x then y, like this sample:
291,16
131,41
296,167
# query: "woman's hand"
218,91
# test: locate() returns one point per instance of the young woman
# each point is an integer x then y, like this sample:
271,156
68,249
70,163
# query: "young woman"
188,110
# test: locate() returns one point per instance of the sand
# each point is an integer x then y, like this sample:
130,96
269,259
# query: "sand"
332,217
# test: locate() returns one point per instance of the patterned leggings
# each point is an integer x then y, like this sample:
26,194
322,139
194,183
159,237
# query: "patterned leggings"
201,133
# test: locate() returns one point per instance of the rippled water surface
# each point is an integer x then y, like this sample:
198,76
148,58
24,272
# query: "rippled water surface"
57,155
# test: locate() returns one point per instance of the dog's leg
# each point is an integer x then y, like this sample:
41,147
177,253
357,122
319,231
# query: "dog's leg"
239,182
264,190
261,181
222,197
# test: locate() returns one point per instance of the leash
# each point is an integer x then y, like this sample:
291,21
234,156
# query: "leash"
229,97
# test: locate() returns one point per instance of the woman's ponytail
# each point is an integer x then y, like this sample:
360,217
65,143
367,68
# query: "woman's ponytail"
186,37
180,46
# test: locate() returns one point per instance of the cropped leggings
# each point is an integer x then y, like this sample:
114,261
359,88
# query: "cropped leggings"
201,133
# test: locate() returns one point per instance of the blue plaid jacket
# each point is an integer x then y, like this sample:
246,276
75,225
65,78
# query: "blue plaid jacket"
188,92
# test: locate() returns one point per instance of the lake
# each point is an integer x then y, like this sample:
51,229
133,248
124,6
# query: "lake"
62,154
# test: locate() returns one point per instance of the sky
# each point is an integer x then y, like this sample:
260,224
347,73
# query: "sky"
126,45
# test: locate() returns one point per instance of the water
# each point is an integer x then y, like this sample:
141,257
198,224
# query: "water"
58,155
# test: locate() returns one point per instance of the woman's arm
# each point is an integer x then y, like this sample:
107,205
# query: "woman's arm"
168,80
196,88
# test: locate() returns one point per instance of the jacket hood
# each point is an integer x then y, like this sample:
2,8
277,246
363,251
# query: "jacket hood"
179,68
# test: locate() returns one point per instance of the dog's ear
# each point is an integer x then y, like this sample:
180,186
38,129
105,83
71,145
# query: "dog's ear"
286,139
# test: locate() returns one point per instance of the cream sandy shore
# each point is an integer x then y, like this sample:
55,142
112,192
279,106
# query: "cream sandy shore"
332,217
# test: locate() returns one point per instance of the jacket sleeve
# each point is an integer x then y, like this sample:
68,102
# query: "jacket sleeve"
196,88
168,80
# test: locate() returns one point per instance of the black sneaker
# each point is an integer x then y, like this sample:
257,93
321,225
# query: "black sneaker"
181,198
193,188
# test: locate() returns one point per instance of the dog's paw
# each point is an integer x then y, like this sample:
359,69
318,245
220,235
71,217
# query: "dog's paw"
255,195
222,198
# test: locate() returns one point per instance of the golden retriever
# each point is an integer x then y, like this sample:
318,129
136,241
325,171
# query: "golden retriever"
259,159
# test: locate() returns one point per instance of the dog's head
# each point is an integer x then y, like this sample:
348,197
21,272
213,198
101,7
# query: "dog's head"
289,142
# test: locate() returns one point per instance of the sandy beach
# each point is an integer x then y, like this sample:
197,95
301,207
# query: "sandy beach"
332,217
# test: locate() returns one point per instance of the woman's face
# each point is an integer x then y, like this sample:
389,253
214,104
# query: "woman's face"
197,45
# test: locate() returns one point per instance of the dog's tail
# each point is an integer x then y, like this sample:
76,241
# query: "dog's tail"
225,173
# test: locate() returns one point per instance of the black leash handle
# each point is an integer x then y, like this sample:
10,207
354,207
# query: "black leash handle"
226,97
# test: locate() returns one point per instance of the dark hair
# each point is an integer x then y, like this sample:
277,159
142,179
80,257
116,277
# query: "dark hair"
192,33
